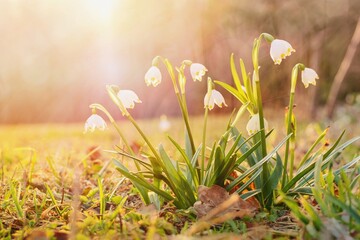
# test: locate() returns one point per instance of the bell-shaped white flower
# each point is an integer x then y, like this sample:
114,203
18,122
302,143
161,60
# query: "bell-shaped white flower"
309,76
164,124
128,98
253,125
214,98
279,50
153,76
93,122
197,71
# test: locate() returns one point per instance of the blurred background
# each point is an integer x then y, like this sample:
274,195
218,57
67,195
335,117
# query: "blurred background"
57,56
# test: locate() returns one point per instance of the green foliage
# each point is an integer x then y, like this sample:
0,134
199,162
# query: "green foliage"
337,198
265,172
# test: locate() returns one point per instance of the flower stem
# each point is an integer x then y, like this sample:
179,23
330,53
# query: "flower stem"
184,111
132,120
157,164
203,146
181,100
113,122
265,170
290,127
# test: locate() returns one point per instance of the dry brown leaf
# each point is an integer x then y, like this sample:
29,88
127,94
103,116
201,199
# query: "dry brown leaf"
94,153
211,198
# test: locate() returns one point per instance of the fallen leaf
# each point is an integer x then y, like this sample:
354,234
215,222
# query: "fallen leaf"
211,198
94,153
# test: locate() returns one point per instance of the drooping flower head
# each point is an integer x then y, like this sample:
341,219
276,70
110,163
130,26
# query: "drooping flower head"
253,125
214,98
197,71
153,76
279,50
128,98
309,76
93,122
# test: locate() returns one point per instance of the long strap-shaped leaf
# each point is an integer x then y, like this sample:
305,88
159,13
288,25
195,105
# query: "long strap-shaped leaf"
308,172
141,181
331,156
257,165
190,167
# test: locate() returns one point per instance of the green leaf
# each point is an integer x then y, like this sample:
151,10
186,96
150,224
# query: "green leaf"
257,165
275,176
235,74
300,190
142,190
236,79
136,178
247,83
294,207
233,91
188,146
250,194
183,190
319,181
350,210
355,182
248,182
313,215
332,153
142,162
330,157
193,176
317,141
324,206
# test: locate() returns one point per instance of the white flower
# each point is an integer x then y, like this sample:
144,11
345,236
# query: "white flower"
253,125
153,76
214,98
279,50
197,71
94,121
309,76
164,124
128,98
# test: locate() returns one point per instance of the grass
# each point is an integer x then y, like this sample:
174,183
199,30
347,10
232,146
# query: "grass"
58,183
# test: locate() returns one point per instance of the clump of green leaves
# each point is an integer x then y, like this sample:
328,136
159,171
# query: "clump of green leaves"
162,176
333,210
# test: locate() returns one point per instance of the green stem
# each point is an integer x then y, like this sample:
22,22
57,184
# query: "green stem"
132,120
157,165
181,100
255,57
265,170
203,147
112,121
290,129
185,114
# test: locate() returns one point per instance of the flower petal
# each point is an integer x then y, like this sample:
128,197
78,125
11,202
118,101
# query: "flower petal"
309,76
153,76
253,125
214,98
197,71
218,98
128,98
93,122
279,50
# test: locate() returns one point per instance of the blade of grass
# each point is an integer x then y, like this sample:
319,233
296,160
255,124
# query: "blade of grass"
15,198
49,191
